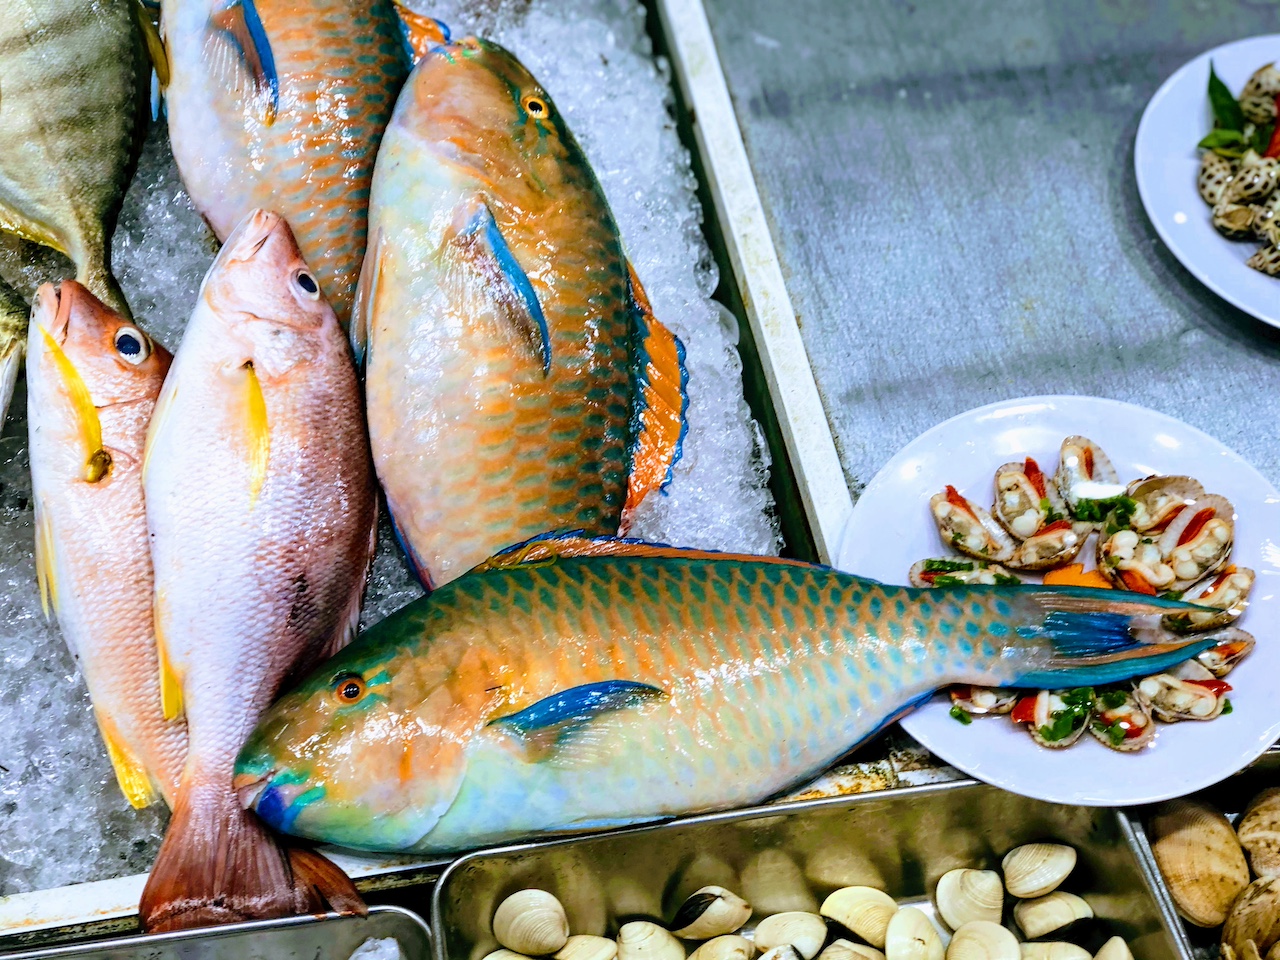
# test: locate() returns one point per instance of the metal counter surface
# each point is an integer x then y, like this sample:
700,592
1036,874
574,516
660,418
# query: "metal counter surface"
950,187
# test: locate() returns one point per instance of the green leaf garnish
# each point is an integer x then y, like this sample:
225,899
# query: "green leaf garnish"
1172,595
1115,733
1064,722
1225,143
1050,515
1112,699
958,714
1262,137
946,581
947,566
1095,511
1004,580
1226,109
1226,707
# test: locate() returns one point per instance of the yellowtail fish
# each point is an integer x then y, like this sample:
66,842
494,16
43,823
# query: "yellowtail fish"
516,380
569,685
262,512
281,104
92,382
14,314
74,83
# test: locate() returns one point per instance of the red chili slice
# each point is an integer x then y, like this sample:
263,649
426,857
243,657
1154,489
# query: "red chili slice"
1216,687
928,575
1025,710
1134,582
1131,730
1273,148
1054,527
956,500
961,693
1088,462
1196,525
1036,478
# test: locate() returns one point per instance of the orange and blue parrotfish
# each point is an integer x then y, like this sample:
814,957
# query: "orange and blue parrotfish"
571,685
281,104
516,380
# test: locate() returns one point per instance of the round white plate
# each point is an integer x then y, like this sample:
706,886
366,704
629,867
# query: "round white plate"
1166,161
891,528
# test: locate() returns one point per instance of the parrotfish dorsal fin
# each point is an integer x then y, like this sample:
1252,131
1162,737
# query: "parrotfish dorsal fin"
556,720
239,20
511,292
549,547
660,418
419,33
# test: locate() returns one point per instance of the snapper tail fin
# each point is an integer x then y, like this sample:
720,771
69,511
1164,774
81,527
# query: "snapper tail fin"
1078,636
220,864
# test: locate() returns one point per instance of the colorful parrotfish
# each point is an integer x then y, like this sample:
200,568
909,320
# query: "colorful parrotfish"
516,379
569,685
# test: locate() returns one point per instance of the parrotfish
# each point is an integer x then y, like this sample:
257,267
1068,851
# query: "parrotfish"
555,690
516,380
92,381
281,104
74,85
262,512
14,314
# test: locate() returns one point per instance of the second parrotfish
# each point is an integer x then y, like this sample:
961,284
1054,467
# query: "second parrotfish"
516,379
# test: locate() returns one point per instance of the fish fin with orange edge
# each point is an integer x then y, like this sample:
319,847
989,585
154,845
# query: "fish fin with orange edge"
659,419
240,22
220,864
131,773
420,34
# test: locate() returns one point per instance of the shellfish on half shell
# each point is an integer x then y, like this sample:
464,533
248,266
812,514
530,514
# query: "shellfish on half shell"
1228,593
1200,859
1156,500
1172,699
982,701
968,528
1084,477
958,572
1234,646
1197,542
1026,500
1055,719
1122,722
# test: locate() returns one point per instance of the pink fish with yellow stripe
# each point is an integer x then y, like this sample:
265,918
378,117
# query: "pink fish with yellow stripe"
281,104
516,379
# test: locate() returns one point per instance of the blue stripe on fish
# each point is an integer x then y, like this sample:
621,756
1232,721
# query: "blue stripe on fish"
484,227
239,20
570,709
1114,670
1084,634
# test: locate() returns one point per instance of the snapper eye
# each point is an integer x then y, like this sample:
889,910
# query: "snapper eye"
132,344
348,688
536,106
307,284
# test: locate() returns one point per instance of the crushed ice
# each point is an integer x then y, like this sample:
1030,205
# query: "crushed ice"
62,818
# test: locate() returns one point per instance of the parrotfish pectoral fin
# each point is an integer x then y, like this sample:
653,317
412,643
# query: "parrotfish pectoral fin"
509,288
420,33
659,420
555,721
239,20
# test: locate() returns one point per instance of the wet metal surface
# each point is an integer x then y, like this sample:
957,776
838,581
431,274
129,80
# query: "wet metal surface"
951,189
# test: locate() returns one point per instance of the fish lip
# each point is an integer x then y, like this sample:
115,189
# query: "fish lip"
252,235
249,787
54,318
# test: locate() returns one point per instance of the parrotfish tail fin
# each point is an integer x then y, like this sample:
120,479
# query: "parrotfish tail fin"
547,548
420,34
659,417
220,864
1076,636
240,22
14,314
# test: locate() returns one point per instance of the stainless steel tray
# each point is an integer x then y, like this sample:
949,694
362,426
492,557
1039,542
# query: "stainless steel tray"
293,938
910,837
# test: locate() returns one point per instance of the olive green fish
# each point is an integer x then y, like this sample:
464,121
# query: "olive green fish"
13,342
74,94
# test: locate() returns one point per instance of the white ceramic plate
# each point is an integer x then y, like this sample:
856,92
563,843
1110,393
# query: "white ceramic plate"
1166,161
891,528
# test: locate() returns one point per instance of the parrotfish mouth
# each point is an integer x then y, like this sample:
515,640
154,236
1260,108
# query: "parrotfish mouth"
249,787
276,798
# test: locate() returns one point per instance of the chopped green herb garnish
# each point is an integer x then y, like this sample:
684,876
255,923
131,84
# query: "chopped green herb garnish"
1095,511
1115,733
1112,699
1078,697
1066,721
956,540
958,714
1050,515
948,581
1172,595
947,566
1226,707
1004,580
1226,109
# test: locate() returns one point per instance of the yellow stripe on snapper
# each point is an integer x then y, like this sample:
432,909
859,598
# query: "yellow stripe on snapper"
92,381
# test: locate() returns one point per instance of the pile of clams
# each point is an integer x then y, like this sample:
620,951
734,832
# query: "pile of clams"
852,923
1160,535
1224,876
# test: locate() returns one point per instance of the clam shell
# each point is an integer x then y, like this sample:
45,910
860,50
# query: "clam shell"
1233,646
1044,915
730,947
981,572
976,535
1200,859
1255,916
1072,480
1018,506
1114,949
1230,597
1103,718
502,953
983,940
848,950
1156,497
710,912
531,922
864,910
1054,950
965,896
772,882
1050,549
642,940
1172,700
1203,560
1034,869
911,936
830,868
1259,833
983,701
589,948
805,931
784,952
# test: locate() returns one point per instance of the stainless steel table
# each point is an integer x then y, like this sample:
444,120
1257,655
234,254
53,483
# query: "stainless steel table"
950,187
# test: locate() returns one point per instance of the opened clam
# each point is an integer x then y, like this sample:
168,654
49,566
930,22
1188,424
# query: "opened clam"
848,950
1122,721
1172,699
805,931
983,940
728,947
531,922
1034,869
1157,499
1259,833
969,529
1086,478
1026,501
1200,859
980,701
1041,916
957,572
864,910
1227,593
1054,718
911,936
1197,542
1254,915
1234,646
642,940
583,947
710,912
965,896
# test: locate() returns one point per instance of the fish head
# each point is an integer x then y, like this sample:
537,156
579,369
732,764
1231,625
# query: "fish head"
266,299
92,375
477,107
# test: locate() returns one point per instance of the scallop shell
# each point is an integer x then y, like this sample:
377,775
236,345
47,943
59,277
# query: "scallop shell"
773,883
642,940
911,936
805,931
864,910
983,940
1259,833
710,912
1035,869
1255,916
1114,949
1075,483
965,896
1200,859
589,948
848,950
1216,174
531,922
730,947
1054,911
1172,699
1054,950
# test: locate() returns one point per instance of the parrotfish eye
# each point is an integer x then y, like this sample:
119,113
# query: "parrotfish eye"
307,284
132,344
348,688
535,106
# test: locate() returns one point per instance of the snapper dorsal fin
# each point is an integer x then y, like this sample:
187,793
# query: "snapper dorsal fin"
550,547
420,33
